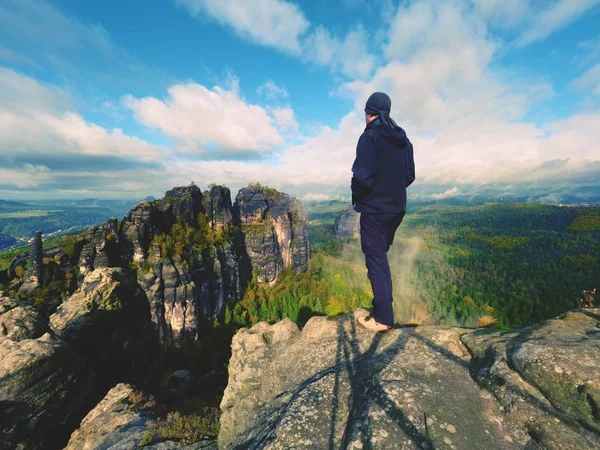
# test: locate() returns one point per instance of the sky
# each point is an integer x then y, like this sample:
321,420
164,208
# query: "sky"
124,99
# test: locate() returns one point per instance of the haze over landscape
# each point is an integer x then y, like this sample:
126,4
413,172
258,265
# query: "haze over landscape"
115,100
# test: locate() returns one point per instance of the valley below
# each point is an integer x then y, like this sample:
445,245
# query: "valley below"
170,327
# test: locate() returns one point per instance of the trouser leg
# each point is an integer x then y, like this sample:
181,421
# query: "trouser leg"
377,234
378,271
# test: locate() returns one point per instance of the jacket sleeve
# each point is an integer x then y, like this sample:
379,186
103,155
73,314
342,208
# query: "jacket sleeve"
363,169
410,176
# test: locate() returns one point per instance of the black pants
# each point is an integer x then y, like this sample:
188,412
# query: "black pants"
376,236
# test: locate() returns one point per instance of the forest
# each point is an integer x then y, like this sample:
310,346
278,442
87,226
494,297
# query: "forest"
491,264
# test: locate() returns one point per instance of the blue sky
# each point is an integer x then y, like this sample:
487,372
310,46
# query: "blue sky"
123,99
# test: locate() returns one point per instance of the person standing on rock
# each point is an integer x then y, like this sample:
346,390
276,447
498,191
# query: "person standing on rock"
384,167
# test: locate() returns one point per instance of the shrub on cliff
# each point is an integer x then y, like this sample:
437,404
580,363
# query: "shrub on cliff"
588,299
186,429
185,240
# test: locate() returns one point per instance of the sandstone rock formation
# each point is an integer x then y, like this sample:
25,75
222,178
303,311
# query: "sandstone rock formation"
36,255
19,322
98,247
264,231
43,386
275,231
347,224
168,265
107,322
333,385
218,206
102,333
35,274
113,423
149,219
116,424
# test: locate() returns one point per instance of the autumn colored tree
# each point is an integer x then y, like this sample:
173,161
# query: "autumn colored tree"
19,272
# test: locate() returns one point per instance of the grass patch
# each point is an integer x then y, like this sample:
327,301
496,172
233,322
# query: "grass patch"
186,429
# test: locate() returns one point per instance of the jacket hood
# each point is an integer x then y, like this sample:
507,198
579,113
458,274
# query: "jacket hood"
396,136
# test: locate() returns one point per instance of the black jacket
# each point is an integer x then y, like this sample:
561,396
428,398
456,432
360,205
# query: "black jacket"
383,169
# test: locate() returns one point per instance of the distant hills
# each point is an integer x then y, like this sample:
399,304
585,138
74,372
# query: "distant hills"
20,219
8,205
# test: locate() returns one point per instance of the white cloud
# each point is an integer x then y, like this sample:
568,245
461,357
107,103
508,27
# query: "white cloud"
271,91
532,20
284,118
446,194
27,176
349,56
14,57
200,118
316,165
283,25
37,20
436,27
35,119
504,13
37,34
352,57
319,46
508,156
551,18
274,23
438,75
19,92
590,80
588,52
464,118
316,197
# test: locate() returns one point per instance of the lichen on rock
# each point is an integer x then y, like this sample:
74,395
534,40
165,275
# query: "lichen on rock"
333,385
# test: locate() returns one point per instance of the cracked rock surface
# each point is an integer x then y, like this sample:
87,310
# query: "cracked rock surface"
335,386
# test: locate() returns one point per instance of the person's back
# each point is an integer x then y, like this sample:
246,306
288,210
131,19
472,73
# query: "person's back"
383,169
393,169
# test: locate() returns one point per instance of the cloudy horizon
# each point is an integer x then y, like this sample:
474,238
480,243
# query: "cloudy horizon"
110,100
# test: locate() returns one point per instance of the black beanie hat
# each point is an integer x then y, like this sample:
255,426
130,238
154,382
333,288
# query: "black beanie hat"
377,103
380,104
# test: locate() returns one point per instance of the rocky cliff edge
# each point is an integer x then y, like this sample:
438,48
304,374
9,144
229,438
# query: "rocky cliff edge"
333,385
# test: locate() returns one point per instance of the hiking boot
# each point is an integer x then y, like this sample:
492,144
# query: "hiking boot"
370,324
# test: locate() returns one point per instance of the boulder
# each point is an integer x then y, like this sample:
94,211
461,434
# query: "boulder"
113,424
334,385
117,423
553,367
43,387
19,322
347,225
107,322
